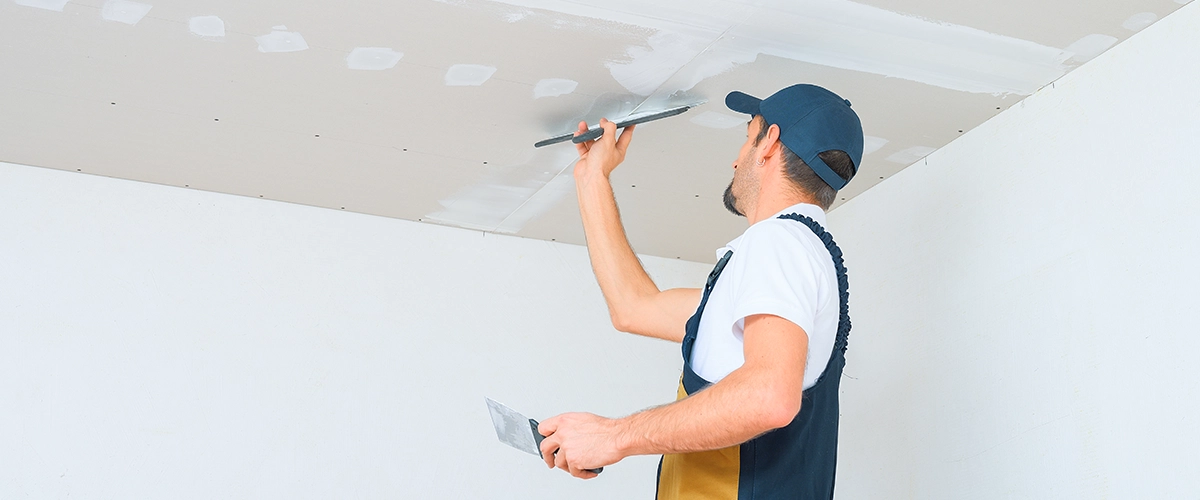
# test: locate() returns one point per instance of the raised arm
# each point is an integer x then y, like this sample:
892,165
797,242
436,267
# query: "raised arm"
635,303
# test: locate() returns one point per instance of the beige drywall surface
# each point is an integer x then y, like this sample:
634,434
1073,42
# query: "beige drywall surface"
159,342
1023,304
183,96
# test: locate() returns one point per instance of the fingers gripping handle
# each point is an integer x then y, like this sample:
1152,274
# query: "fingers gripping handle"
537,436
595,133
590,135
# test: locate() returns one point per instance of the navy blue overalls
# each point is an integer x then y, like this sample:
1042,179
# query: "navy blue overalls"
794,462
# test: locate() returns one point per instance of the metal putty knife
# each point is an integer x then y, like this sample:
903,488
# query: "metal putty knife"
517,431
595,132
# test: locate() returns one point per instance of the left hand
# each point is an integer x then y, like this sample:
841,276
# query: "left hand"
576,442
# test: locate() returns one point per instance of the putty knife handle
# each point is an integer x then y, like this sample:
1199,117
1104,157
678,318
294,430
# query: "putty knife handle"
538,437
590,135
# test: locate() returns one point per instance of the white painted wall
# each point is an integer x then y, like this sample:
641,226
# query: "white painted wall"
1024,305
159,342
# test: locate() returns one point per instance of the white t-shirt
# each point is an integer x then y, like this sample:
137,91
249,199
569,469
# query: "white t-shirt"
779,267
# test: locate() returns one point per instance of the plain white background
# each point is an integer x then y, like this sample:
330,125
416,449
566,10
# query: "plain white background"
159,342
1024,305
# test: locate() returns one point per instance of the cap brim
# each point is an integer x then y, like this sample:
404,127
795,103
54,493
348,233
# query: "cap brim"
743,103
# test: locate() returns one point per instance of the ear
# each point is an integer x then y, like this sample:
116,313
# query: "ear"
770,144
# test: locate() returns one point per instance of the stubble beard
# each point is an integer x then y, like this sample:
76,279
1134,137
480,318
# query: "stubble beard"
729,198
731,201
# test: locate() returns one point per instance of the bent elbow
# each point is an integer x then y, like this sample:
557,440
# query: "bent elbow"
620,321
781,412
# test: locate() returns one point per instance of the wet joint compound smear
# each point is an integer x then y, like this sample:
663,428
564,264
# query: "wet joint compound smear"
509,197
701,41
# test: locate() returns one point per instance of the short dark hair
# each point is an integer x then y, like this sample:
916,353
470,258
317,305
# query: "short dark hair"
803,176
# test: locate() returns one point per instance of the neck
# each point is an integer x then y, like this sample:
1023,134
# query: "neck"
772,201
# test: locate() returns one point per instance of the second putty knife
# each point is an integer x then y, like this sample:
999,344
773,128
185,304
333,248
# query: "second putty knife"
517,431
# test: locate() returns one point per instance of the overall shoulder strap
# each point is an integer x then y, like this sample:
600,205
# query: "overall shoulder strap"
843,332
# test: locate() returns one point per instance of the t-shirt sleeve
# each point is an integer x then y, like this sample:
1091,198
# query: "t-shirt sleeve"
775,274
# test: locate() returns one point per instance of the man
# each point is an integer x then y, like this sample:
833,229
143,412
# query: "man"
763,353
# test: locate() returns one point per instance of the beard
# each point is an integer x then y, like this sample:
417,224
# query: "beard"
731,201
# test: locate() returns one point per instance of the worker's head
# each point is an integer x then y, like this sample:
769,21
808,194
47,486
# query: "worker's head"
803,138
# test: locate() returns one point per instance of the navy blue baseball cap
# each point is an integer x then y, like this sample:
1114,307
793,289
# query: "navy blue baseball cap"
811,120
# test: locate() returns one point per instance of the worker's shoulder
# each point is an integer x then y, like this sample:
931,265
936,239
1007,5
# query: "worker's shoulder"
781,237
780,230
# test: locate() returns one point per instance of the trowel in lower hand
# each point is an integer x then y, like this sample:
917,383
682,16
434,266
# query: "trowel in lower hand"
517,431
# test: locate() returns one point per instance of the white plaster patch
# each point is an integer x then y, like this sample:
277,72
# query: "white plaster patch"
1088,47
910,155
1140,21
513,17
468,75
281,41
678,61
373,58
54,5
1183,2
713,119
279,27
508,197
124,11
207,26
553,87
872,144
691,44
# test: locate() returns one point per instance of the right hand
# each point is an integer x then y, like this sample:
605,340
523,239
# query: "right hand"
601,156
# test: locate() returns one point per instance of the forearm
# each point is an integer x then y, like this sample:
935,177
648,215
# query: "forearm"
733,411
621,276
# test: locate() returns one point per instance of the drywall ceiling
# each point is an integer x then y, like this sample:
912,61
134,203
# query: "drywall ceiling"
428,110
